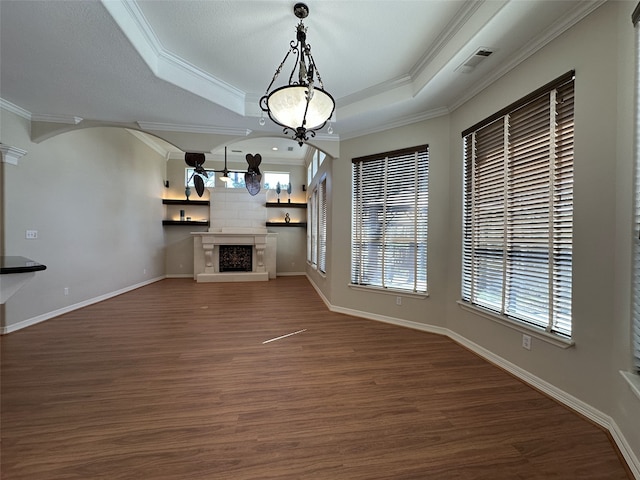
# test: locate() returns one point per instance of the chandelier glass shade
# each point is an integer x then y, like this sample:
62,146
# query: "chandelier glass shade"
302,107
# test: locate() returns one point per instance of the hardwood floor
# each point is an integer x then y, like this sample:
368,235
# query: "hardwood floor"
173,381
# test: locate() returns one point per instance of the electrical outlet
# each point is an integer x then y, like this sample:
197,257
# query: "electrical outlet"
526,342
144,271
398,300
31,234
66,290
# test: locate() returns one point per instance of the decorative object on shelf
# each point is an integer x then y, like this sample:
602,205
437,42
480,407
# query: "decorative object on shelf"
301,107
278,190
253,177
289,191
287,218
187,192
182,215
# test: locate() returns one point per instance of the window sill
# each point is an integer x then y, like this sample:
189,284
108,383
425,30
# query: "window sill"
633,380
388,291
538,333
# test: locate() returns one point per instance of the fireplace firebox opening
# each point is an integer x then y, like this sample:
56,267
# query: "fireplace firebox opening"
236,258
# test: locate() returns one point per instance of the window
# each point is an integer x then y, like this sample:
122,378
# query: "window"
518,210
317,227
636,241
313,227
270,181
322,226
389,224
208,182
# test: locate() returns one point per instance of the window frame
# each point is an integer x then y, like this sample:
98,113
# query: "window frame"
635,310
389,230
506,215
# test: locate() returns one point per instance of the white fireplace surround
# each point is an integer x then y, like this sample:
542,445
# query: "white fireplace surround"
236,218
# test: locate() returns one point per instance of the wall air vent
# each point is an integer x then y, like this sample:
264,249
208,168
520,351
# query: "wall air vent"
470,63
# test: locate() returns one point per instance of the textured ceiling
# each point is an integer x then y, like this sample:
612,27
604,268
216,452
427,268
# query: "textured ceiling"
199,66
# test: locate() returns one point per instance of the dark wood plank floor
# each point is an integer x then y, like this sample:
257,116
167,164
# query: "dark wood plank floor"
173,381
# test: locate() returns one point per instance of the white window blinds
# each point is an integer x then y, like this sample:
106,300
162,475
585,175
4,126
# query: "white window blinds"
518,210
322,226
389,224
636,242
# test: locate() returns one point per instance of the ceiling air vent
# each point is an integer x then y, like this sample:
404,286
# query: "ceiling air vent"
471,62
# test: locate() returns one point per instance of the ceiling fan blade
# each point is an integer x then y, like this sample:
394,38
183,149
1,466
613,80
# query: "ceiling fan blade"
252,181
198,182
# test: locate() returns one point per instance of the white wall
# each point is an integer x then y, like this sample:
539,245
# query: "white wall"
94,197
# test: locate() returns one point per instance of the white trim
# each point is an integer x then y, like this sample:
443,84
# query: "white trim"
581,11
167,66
539,333
290,274
46,316
179,275
399,122
552,391
66,119
172,127
633,380
10,107
150,141
388,291
11,155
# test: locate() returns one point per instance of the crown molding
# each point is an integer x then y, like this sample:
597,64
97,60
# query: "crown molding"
551,33
11,155
170,127
13,108
166,65
66,119
150,142
400,122
460,19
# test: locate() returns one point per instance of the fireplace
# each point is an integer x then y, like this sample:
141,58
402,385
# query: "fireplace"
235,258
234,254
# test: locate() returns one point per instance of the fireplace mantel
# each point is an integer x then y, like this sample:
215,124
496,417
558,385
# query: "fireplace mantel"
206,253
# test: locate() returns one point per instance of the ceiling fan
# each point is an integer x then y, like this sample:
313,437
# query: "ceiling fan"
252,176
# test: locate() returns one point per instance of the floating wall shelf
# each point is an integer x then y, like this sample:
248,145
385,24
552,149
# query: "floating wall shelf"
285,205
185,222
172,209
285,224
184,202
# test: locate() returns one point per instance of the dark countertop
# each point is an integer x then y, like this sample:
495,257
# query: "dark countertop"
10,264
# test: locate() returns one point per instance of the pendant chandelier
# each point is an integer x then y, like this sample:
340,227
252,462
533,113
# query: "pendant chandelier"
302,107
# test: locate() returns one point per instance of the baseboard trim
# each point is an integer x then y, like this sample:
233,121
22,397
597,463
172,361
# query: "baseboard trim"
290,274
55,313
552,391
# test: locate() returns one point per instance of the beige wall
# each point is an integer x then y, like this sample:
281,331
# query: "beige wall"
429,310
93,196
586,371
600,49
